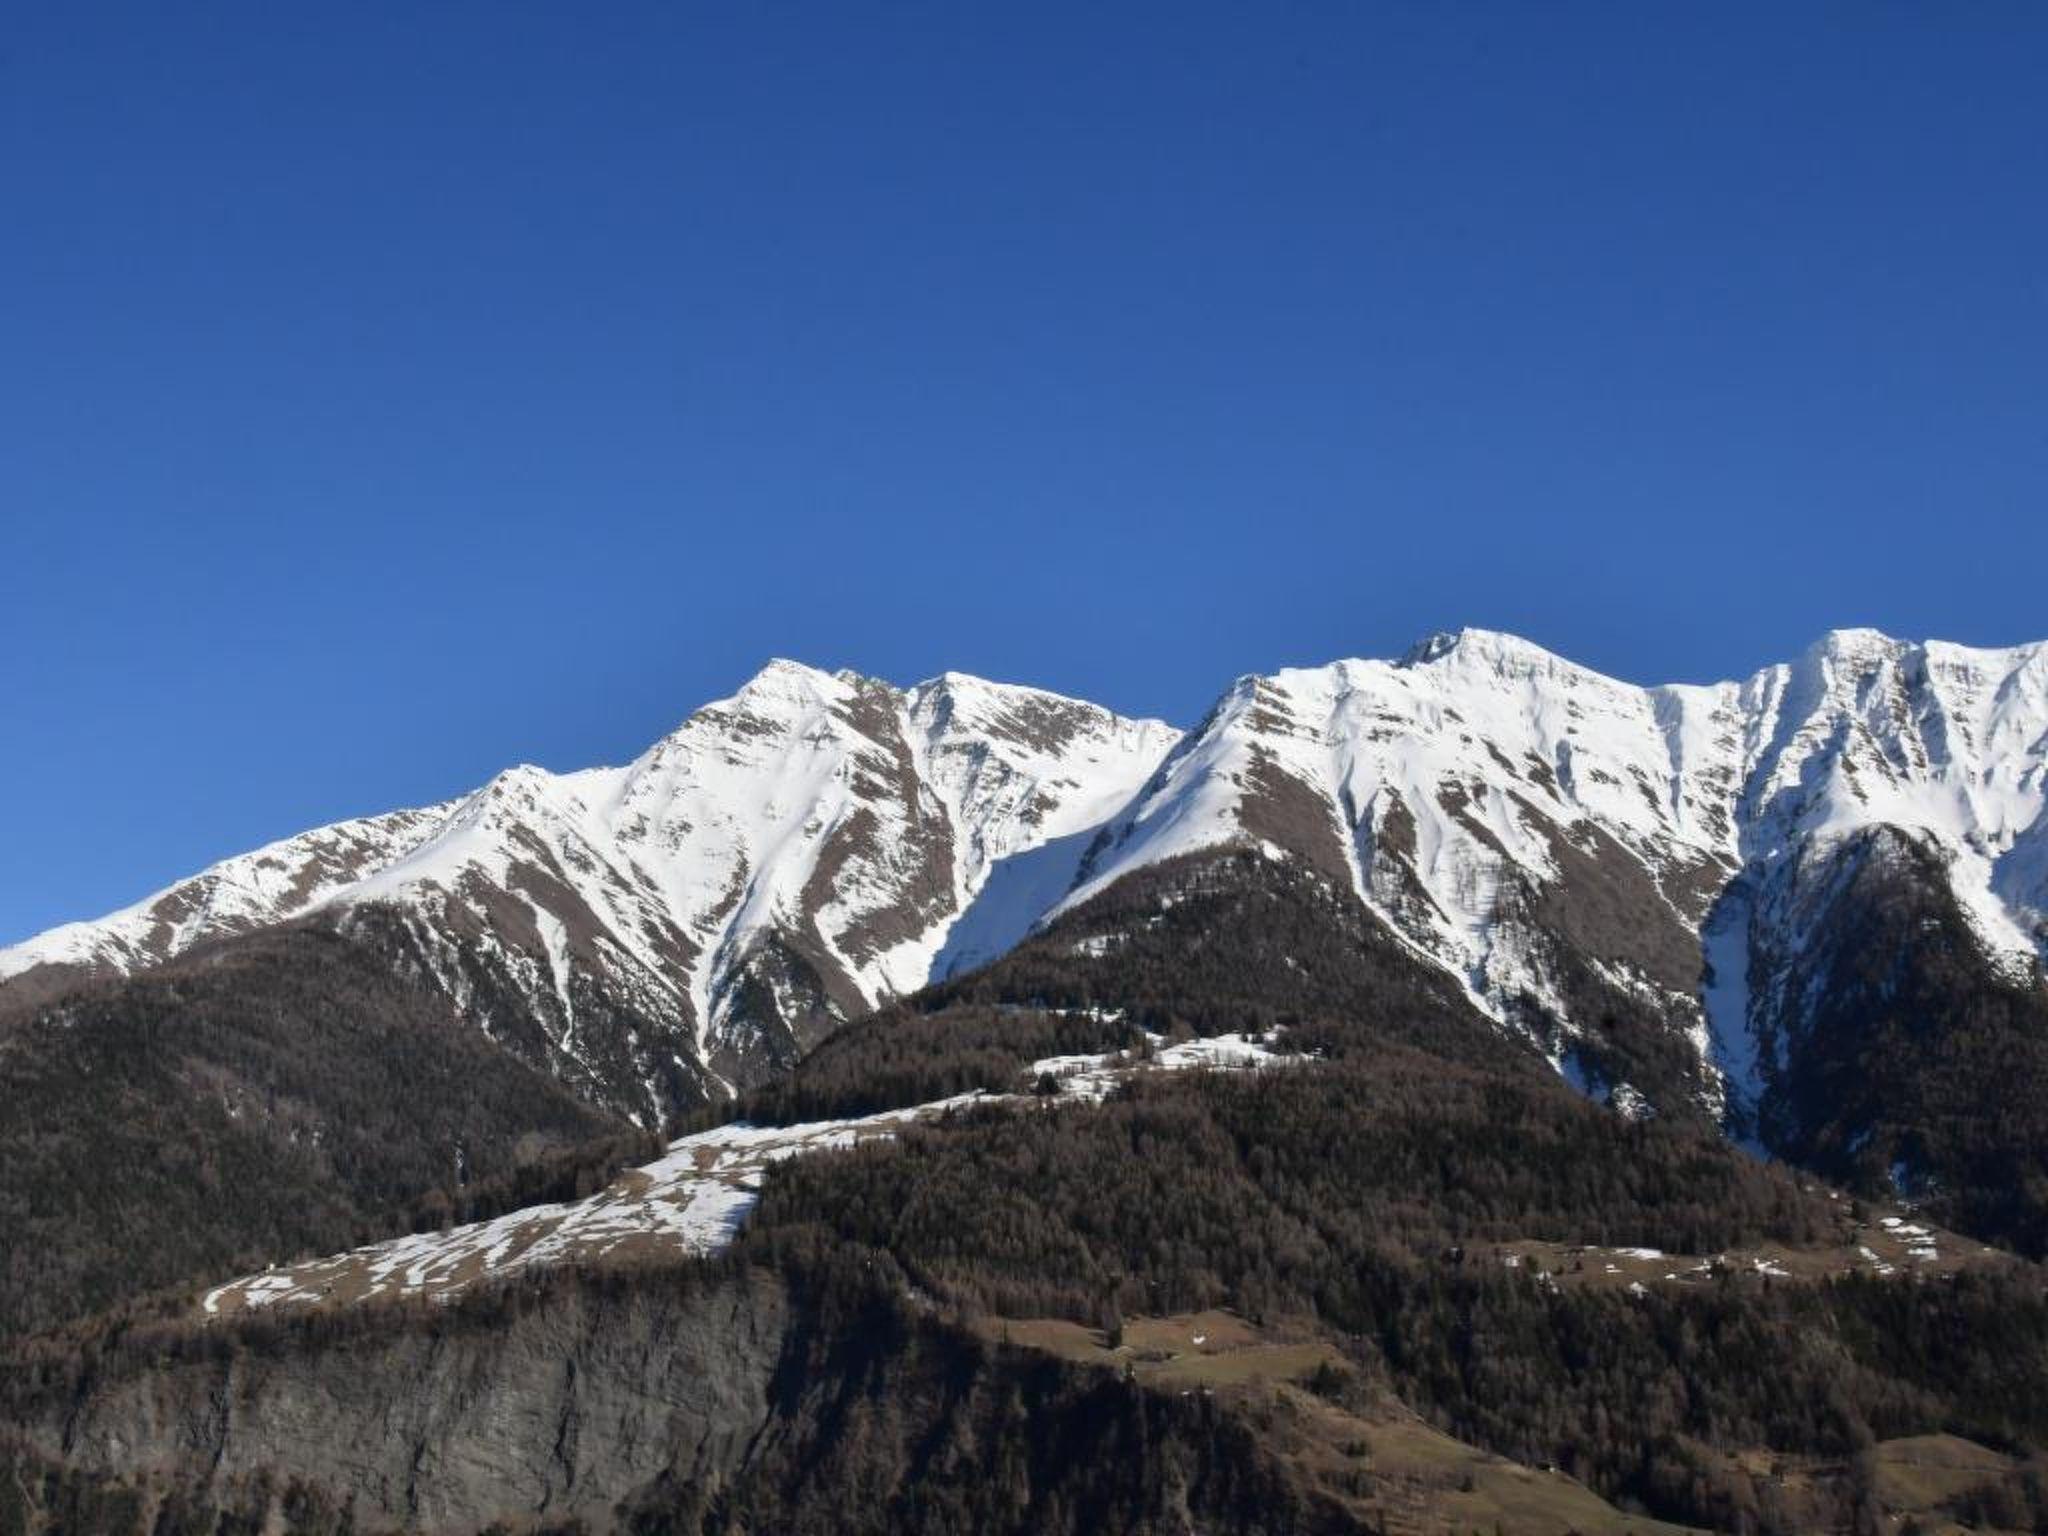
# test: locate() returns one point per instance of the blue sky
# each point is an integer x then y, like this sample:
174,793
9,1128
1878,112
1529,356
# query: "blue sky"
389,394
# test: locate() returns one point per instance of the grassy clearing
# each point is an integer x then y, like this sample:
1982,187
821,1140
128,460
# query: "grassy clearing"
1367,1452
1886,1244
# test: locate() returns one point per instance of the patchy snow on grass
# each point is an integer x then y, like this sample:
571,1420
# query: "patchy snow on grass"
1918,1240
1096,945
691,1200
1096,1077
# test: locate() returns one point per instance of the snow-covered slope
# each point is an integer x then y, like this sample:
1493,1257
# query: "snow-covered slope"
237,895
1941,740
1562,841
787,857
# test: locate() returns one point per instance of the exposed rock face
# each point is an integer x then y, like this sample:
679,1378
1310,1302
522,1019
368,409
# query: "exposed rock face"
702,1399
564,1411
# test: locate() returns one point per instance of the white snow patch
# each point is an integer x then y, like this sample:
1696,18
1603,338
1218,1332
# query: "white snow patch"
689,1201
1097,1076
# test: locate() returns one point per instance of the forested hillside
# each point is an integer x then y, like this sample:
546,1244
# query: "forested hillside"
283,1094
1416,1240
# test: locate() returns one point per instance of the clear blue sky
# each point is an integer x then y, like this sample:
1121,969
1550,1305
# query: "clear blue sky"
391,393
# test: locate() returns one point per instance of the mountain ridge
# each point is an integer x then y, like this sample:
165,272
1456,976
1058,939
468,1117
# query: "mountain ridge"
785,858
1590,858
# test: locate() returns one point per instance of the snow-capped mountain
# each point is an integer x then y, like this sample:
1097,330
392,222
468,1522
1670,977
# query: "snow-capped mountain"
786,858
1612,871
1566,842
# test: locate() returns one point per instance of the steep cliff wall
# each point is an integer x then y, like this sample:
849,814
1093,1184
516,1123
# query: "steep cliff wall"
709,1398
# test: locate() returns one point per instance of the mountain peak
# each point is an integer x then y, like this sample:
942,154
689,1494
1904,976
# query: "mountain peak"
1486,647
780,669
1857,644
782,681
957,685
966,688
